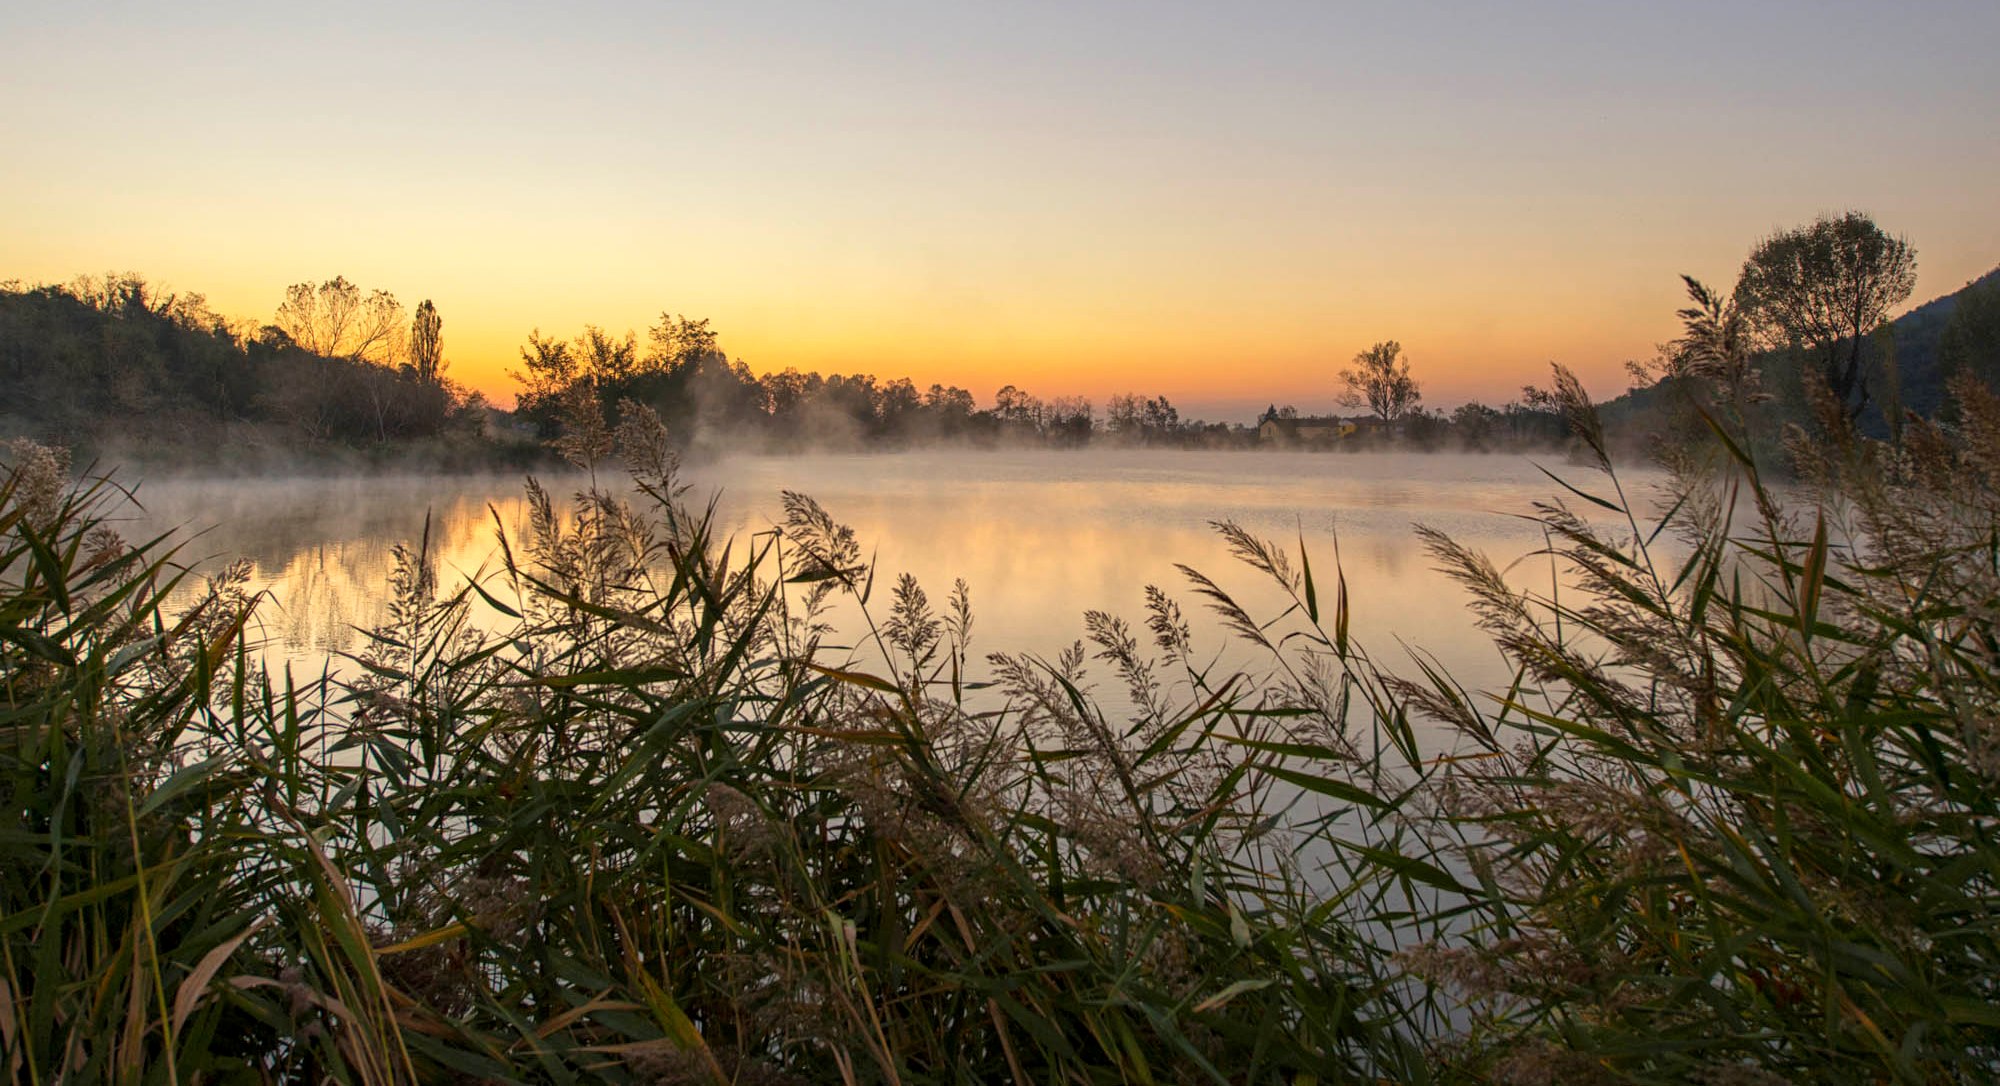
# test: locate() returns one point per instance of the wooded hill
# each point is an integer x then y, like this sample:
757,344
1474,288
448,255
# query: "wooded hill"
1957,332
113,369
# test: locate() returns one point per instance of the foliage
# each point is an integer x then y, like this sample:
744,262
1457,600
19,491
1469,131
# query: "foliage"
427,343
336,320
1135,419
1970,343
110,368
1380,379
1916,341
112,364
1825,287
654,833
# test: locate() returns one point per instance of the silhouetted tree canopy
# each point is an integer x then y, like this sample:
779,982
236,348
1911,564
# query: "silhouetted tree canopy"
1824,287
427,343
1380,380
335,320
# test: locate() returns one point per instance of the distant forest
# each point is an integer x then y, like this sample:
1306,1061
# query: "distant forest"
120,370
341,378
711,400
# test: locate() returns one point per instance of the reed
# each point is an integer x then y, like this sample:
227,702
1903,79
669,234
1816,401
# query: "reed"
1732,822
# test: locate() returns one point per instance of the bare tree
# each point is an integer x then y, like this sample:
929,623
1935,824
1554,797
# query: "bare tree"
1825,287
335,320
427,343
1380,379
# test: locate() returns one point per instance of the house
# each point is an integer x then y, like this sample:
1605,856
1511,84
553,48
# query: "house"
1276,429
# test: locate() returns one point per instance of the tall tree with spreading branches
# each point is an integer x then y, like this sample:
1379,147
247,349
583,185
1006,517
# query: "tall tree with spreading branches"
1825,287
336,320
1380,379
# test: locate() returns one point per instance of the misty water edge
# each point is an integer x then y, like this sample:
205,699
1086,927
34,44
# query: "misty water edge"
1040,538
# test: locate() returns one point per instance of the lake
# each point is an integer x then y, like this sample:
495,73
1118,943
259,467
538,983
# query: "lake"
1040,537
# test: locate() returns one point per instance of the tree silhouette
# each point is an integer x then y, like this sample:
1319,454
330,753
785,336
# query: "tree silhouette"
1825,287
427,343
1380,379
335,320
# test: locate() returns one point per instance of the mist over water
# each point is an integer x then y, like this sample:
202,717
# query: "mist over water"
1040,537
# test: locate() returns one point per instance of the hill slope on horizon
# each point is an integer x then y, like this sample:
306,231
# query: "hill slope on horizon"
1922,366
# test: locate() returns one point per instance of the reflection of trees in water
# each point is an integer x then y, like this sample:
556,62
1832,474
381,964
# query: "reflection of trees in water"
1040,538
330,591
320,604
270,521
322,549
1380,557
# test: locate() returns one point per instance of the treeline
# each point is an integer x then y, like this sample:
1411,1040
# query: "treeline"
116,367
113,365
706,397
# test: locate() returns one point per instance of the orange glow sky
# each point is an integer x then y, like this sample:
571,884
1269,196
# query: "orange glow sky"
1079,199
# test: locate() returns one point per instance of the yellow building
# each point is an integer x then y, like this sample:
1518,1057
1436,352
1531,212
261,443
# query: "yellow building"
1304,430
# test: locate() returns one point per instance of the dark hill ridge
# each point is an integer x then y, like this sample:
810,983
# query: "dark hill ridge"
1919,335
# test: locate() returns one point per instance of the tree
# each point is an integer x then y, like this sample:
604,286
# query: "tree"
952,402
608,362
784,392
335,320
1121,416
1475,423
548,370
1069,420
678,342
896,403
1132,417
1825,287
427,343
1380,379
1012,405
1971,341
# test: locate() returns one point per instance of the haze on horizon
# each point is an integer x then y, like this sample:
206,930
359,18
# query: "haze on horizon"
1221,207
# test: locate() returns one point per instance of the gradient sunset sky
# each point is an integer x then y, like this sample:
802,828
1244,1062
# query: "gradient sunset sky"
1222,203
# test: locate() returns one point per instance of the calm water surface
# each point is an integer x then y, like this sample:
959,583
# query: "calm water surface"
1040,537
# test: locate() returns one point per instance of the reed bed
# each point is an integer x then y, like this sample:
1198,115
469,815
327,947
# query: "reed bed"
1733,821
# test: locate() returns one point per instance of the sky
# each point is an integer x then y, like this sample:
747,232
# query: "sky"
1219,203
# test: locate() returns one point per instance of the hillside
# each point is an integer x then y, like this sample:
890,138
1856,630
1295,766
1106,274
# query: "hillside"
115,370
1920,337
1960,329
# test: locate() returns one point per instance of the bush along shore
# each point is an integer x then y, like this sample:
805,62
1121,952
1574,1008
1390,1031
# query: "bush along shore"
1733,821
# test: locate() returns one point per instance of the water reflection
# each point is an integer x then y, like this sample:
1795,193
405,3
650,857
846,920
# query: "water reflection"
1040,537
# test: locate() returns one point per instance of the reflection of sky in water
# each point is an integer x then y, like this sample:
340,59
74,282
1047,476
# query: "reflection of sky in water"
1040,537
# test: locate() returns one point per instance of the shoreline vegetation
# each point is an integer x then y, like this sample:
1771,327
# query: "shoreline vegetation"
1733,821
119,372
